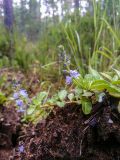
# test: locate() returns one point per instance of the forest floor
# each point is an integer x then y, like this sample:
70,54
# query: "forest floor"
65,134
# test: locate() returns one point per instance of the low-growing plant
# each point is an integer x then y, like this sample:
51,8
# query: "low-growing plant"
2,98
41,105
96,85
37,109
91,89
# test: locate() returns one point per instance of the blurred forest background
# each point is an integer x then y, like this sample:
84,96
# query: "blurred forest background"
38,31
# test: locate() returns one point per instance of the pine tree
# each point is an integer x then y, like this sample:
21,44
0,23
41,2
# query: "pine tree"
76,4
8,14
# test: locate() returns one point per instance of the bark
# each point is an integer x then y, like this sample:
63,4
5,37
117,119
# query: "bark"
76,4
8,14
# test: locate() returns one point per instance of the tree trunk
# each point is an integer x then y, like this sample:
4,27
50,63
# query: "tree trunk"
76,4
8,22
8,14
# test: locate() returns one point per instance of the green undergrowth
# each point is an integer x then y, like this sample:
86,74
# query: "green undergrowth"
3,98
86,91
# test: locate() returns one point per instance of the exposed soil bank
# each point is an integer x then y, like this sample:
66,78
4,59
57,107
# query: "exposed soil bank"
9,127
68,134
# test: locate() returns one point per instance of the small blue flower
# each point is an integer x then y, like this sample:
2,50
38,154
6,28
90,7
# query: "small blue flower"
65,71
21,149
74,73
19,103
68,80
16,95
21,110
23,93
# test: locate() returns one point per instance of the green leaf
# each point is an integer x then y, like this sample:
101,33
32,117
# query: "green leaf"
42,95
86,105
36,102
99,85
71,96
39,98
60,104
116,82
104,54
108,77
2,98
87,94
115,94
78,82
62,94
78,91
94,73
115,78
89,77
51,101
30,110
114,91
117,72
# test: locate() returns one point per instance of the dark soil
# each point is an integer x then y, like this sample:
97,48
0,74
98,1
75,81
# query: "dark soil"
9,127
68,134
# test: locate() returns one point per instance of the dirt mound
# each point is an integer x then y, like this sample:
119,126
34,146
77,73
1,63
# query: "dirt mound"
9,126
68,134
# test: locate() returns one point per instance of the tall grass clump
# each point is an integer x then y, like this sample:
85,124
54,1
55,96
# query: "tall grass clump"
99,48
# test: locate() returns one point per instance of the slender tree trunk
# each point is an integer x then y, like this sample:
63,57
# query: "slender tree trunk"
8,14
8,21
76,4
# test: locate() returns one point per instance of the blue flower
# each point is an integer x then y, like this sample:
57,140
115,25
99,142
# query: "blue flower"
68,80
19,103
21,110
23,93
8,13
74,73
21,149
16,95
